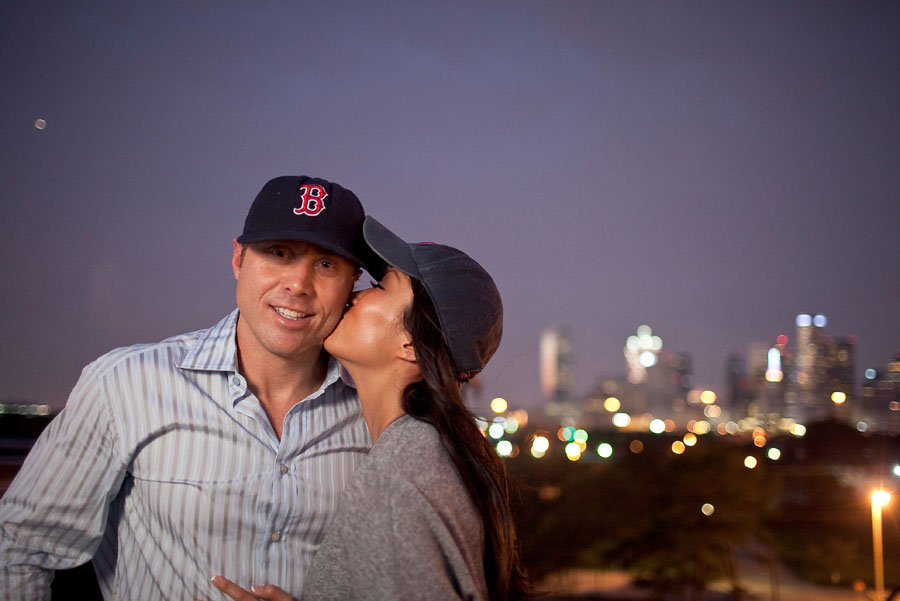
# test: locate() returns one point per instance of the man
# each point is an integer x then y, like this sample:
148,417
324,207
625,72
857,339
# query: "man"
222,451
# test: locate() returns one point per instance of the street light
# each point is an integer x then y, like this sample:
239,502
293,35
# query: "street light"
880,498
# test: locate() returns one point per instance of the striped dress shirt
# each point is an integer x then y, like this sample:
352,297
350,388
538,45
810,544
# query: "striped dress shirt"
165,469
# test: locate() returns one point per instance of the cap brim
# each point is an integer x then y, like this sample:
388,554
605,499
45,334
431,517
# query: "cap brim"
390,247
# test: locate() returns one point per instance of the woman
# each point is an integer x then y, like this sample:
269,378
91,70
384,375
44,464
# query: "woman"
427,516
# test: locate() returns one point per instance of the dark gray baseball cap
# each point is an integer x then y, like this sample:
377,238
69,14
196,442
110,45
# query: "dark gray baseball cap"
465,297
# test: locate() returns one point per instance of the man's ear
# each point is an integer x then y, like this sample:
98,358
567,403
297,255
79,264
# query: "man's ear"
237,257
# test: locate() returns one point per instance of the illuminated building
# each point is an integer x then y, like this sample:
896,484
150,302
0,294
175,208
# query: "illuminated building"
880,400
641,353
807,397
808,381
658,381
736,383
557,370
767,366
666,386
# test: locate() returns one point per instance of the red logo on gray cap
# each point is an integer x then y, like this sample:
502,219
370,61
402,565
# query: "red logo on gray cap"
313,200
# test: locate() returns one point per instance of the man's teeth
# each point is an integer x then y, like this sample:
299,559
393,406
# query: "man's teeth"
290,314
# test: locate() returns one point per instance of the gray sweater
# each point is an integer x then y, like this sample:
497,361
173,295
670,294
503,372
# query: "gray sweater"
406,528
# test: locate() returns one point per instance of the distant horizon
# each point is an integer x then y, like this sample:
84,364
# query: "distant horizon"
486,397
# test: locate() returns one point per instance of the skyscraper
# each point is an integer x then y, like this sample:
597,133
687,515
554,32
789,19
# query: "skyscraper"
821,385
766,375
557,365
665,389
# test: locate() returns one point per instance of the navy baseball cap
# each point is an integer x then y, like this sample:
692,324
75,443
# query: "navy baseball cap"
465,297
308,209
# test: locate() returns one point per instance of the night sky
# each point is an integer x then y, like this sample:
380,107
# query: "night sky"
708,169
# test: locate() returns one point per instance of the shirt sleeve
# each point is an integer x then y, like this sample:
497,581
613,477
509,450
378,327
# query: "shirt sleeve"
54,513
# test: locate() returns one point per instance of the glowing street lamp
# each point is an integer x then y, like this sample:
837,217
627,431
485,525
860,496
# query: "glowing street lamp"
880,498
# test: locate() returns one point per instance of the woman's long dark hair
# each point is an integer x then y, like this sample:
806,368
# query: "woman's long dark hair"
436,399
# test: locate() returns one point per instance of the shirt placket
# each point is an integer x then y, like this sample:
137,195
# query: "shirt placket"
282,492
275,484
286,507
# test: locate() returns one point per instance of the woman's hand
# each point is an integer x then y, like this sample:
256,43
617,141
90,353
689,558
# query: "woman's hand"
269,592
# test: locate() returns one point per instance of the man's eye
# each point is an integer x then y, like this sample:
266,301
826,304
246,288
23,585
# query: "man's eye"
375,284
326,264
278,252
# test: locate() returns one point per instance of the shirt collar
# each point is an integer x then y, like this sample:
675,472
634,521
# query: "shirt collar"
331,376
215,349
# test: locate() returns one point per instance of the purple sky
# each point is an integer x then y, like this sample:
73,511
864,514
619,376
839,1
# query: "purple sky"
709,169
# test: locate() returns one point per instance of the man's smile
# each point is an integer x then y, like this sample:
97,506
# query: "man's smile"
290,314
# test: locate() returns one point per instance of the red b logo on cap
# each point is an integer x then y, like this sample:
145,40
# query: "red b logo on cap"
313,197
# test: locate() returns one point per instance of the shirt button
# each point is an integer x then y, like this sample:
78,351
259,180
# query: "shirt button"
236,380
276,536
283,469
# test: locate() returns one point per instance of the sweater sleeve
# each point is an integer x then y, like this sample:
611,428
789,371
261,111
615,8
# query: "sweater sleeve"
392,543
431,556
406,528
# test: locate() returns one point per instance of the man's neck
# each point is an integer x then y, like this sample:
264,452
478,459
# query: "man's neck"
281,383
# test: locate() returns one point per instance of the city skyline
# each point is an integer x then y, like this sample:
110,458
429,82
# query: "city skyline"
806,377
710,169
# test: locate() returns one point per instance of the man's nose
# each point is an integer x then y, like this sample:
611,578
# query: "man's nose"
299,278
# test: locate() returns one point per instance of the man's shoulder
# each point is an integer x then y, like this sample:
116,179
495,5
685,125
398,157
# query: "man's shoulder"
167,352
